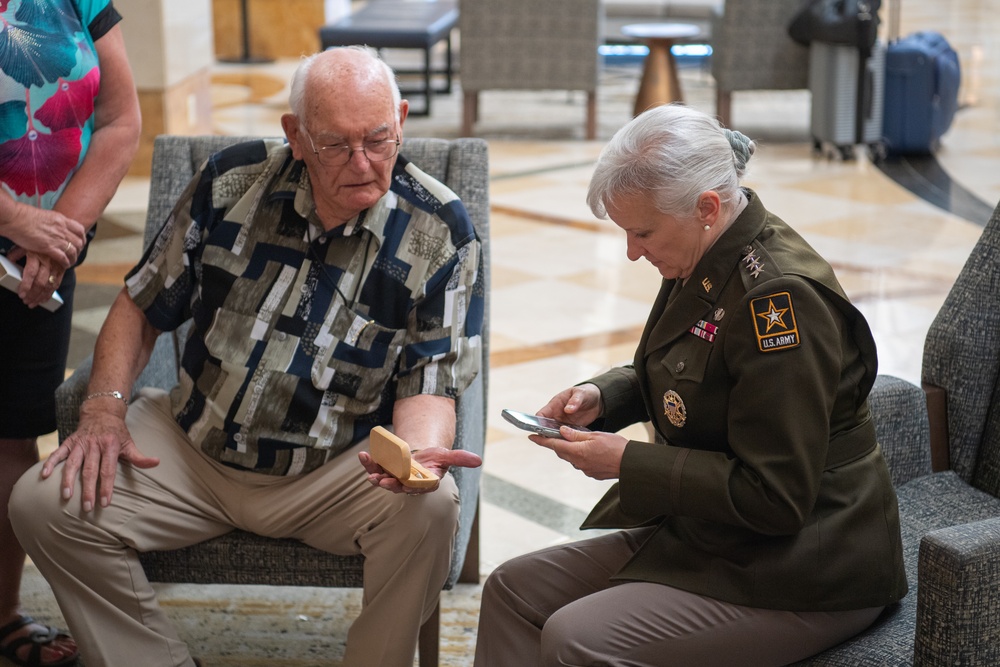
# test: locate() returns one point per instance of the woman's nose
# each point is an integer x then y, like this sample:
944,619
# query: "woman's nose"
633,250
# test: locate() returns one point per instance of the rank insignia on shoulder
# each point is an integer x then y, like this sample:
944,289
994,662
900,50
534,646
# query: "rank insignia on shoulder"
774,322
751,263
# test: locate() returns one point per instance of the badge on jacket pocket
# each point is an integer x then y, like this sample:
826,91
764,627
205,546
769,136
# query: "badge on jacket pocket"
774,322
673,408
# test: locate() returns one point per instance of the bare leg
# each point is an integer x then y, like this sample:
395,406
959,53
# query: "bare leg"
16,456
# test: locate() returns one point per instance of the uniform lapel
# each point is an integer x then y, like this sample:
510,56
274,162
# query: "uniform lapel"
673,317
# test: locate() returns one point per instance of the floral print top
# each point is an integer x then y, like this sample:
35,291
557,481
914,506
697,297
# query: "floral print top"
49,80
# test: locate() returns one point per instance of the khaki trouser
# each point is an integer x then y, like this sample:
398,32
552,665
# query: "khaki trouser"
91,563
558,607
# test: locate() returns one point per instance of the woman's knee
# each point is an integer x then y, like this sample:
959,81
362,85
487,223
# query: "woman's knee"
569,638
514,585
497,585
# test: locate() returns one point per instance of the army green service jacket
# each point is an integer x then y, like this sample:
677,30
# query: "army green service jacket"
771,490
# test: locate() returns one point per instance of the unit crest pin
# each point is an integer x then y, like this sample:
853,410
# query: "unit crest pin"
673,408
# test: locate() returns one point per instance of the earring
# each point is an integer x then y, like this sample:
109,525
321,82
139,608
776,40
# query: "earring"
708,228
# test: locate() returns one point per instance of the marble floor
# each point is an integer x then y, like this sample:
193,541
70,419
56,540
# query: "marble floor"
566,303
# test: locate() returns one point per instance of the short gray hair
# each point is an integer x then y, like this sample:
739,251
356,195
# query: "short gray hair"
674,153
297,92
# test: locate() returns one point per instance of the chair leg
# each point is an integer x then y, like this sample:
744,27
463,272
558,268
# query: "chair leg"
448,65
470,111
937,416
429,641
428,92
724,107
591,115
470,567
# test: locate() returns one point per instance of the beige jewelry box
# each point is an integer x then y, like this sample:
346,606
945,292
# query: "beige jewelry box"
393,454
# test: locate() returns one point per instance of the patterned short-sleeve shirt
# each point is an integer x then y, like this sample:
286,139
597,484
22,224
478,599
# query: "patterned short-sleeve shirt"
302,340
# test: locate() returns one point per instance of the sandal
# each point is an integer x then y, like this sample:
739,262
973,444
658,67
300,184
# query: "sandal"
38,640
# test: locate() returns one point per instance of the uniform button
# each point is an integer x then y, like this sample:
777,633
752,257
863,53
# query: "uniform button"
680,366
304,288
238,437
282,335
322,240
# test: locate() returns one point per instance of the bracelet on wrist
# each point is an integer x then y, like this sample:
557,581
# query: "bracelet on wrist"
110,394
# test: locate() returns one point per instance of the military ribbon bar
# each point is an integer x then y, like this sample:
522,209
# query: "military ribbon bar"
705,330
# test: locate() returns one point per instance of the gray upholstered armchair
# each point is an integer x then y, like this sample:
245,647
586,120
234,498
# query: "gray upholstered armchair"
751,50
950,518
236,558
529,45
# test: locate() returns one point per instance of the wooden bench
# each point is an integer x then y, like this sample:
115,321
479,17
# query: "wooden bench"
401,24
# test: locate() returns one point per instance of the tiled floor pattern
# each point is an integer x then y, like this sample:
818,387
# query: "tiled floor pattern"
566,303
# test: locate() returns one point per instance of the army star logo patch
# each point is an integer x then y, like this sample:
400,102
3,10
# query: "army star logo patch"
774,322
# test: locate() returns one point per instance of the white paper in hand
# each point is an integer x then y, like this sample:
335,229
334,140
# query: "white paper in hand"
10,277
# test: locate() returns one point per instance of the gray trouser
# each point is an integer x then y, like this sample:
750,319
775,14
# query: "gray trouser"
558,606
91,563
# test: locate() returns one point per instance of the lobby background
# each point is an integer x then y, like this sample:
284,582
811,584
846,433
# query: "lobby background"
566,303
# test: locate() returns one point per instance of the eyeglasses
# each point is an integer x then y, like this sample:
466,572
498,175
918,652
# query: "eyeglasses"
336,155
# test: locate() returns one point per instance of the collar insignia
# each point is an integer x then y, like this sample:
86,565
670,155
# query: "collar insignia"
752,263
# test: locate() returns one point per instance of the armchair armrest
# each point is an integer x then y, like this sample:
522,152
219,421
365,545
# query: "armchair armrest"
69,396
958,596
899,409
469,435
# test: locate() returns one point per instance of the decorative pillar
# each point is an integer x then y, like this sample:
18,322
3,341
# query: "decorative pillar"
277,28
169,44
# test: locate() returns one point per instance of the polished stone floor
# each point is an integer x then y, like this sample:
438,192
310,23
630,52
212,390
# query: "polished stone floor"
566,302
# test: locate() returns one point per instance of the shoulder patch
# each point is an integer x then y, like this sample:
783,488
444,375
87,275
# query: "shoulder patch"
774,322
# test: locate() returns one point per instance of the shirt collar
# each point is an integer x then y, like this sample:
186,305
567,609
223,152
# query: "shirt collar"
293,183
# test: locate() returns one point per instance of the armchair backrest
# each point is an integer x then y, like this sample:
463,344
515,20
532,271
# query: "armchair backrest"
530,45
751,49
463,166
962,356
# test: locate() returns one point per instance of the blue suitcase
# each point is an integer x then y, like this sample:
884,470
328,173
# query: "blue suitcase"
922,76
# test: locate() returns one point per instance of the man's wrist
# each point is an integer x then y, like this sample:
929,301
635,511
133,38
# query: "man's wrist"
111,394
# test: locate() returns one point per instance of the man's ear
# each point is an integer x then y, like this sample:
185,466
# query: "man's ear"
404,110
709,207
290,125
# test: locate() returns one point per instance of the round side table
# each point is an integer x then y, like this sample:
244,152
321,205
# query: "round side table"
660,84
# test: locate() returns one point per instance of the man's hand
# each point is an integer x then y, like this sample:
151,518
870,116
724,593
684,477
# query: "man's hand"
93,452
436,459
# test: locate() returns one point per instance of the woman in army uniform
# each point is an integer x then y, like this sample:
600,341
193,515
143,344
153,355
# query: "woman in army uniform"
761,527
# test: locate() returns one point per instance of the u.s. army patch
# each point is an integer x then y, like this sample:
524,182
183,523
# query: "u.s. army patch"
774,322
